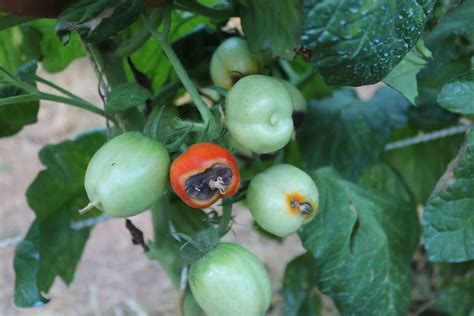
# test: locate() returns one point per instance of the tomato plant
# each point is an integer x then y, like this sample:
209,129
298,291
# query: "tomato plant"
375,182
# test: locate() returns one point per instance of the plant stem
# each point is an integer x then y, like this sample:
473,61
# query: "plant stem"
133,44
258,162
180,71
77,103
290,73
225,218
199,9
56,87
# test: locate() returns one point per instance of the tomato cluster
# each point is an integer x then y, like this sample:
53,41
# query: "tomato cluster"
132,171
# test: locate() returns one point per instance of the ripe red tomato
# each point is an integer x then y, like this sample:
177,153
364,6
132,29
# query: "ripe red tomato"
203,174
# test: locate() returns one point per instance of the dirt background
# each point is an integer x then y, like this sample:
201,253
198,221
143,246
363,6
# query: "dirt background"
113,276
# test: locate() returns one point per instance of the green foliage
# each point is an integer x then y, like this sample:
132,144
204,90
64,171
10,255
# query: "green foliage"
420,166
53,246
458,95
15,115
360,42
456,298
299,288
96,21
448,219
126,96
403,76
349,133
271,26
362,242
37,40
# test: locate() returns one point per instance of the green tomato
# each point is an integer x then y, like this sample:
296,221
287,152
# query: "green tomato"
297,98
258,113
127,175
282,198
231,61
230,280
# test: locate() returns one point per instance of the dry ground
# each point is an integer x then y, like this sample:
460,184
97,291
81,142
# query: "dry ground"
113,277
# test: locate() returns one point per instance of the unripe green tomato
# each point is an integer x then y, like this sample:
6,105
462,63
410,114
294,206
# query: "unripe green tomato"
282,198
258,113
231,61
230,281
299,102
127,175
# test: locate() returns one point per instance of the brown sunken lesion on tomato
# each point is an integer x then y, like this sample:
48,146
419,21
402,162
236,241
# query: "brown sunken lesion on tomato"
206,185
297,204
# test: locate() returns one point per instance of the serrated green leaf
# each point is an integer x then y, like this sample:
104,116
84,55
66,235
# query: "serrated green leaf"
362,242
458,95
299,288
55,196
126,96
271,26
421,165
349,133
359,42
403,76
448,219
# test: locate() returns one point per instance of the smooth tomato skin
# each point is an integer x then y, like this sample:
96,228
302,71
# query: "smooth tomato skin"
196,159
297,98
232,60
258,112
269,196
127,175
231,281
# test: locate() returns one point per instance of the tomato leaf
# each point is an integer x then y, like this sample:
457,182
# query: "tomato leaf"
456,299
421,165
56,245
95,21
403,76
385,179
362,242
150,59
26,265
299,288
448,219
126,96
360,42
14,115
271,26
346,132
458,95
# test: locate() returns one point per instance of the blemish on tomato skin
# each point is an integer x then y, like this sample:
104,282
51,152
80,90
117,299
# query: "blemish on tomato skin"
290,199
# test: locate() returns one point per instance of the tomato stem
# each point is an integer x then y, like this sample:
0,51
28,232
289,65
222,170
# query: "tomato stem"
162,39
226,217
87,208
